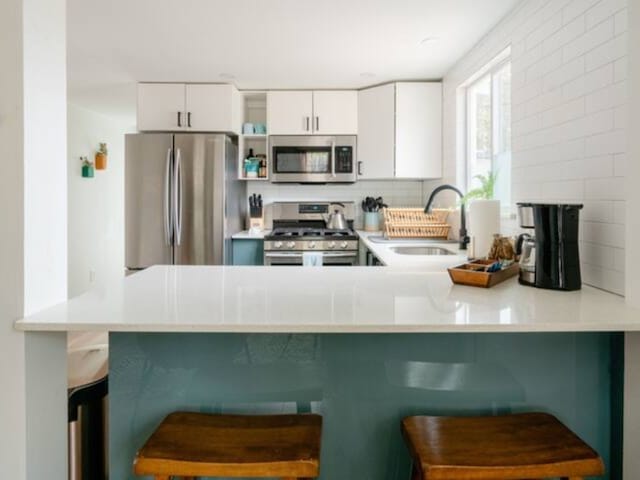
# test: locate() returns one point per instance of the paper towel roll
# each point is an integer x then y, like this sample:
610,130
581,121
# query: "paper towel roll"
484,222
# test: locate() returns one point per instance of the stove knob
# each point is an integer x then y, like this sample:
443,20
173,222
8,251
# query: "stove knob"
277,244
331,245
291,244
344,245
312,244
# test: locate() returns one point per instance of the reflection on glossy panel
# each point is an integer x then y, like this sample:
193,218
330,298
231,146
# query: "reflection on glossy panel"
363,385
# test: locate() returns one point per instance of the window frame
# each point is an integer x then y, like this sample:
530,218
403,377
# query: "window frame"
490,69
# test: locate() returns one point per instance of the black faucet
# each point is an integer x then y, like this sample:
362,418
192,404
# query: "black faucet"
464,238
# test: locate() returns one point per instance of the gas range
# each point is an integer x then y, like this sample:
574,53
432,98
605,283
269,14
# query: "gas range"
299,227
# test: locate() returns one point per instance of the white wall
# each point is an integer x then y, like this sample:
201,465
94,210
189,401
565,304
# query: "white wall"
96,205
32,227
569,98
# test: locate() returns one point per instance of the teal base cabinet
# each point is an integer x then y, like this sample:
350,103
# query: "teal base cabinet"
248,252
363,385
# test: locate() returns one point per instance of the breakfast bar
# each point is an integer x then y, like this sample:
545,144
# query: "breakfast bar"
362,346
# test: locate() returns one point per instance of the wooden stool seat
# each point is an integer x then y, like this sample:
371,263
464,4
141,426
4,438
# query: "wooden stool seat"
202,445
529,445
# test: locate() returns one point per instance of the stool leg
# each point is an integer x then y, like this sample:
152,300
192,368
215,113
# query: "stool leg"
415,473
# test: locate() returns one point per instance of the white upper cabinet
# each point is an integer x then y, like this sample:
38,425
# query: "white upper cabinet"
189,107
418,130
289,112
325,112
335,112
376,132
400,131
213,108
161,106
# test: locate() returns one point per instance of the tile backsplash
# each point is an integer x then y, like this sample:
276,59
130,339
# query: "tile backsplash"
396,193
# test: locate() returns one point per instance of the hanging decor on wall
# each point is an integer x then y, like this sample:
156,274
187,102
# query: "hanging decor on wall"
101,157
87,168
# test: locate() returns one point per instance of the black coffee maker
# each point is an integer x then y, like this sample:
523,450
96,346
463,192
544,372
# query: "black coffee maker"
553,259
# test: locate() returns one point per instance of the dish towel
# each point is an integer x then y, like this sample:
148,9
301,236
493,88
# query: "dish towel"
312,259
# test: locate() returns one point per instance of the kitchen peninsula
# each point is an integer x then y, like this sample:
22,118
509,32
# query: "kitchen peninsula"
362,346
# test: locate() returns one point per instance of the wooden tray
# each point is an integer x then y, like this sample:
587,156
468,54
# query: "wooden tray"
466,275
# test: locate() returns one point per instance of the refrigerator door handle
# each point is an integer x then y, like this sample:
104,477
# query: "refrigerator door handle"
177,197
168,227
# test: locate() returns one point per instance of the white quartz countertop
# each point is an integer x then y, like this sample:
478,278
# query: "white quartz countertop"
248,235
323,300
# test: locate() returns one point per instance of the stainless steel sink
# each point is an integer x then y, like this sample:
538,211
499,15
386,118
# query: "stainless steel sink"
408,241
421,251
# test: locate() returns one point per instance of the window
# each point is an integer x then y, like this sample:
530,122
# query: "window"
487,97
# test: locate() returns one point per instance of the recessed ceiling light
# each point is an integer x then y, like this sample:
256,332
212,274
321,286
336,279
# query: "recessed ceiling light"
229,76
367,74
426,40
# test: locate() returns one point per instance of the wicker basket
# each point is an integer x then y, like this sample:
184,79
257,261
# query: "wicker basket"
414,223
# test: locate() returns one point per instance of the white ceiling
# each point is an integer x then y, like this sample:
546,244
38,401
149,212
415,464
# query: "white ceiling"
264,43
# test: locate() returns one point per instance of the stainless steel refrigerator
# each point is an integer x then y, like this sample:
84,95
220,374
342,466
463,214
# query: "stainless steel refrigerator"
183,199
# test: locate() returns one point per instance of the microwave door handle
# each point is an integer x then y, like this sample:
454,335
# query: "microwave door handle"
333,158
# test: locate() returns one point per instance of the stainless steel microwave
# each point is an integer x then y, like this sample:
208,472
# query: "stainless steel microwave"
313,159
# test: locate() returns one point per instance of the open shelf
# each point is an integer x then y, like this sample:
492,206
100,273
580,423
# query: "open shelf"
254,110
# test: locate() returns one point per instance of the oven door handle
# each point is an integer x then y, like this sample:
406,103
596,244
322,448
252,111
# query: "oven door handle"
299,255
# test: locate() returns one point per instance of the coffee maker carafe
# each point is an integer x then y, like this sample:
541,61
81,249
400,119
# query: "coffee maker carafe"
550,258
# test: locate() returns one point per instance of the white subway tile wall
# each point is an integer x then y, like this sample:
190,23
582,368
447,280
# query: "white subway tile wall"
396,193
569,107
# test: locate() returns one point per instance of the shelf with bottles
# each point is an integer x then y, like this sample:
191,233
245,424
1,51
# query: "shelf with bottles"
252,144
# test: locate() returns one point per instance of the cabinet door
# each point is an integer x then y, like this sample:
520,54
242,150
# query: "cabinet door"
419,130
335,112
376,131
212,108
160,105
289,112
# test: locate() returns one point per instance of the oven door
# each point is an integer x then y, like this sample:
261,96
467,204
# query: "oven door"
313,159
329,259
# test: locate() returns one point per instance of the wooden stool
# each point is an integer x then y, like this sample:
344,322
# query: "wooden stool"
192,445
529,445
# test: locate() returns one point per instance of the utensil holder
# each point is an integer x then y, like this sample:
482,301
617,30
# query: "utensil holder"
371,221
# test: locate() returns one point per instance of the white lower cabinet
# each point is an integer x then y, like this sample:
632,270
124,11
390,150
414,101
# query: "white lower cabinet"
400,131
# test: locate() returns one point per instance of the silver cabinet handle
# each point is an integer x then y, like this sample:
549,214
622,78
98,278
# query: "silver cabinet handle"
317,124
189,119
360,167
306,123
333,158
177,198
168,227
180,119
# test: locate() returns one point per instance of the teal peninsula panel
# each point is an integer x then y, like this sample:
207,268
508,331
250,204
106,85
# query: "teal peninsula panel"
248,251
363,385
